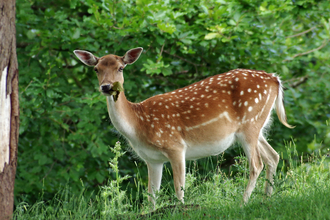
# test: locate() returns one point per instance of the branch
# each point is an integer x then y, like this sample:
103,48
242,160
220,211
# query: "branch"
325,42
295,82
302,33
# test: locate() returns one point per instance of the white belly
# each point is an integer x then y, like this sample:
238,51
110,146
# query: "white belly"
196,151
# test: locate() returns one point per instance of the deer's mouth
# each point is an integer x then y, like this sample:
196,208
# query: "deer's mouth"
113,90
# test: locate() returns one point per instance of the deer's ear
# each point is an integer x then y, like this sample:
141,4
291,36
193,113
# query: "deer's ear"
132,55
86,57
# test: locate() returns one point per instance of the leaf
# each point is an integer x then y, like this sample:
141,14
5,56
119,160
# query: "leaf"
76,34
116,89
211,36
168,28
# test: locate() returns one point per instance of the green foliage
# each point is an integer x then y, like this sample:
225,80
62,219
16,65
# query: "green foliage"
112,197
65,129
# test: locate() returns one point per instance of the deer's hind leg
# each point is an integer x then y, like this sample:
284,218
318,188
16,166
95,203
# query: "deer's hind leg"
249,142
271,158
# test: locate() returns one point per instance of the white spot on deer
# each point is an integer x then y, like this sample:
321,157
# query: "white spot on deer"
187,118
202,115
160,103
173,115
246,103
141,118
173,92
249,90
215,91
166,107
258,86
189,111
229,92
178,115
173,128
256,100
250,108
178,128
255,91
234,103
232,86
240,104
197,109
158,134
230,82
236,79
209,96
206,105
161,131
242,93
266,85
265,91
169,126
202,96
191,106
152,125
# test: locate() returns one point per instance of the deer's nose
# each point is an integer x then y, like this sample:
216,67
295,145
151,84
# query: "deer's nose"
105,88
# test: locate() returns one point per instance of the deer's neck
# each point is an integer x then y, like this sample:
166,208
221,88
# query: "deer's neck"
122,115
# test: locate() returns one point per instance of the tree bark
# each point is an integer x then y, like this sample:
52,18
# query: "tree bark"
9,107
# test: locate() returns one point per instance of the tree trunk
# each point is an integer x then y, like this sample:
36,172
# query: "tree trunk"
9,107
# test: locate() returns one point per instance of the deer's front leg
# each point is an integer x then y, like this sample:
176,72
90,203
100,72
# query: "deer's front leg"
155,171
178,164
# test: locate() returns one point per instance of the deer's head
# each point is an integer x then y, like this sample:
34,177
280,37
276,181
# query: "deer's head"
109,68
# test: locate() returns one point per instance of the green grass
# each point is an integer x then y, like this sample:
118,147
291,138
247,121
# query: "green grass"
302,192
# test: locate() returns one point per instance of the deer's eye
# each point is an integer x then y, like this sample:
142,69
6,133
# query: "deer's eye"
95,69
121,69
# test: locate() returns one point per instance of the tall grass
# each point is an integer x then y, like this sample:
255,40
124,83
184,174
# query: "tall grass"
302,189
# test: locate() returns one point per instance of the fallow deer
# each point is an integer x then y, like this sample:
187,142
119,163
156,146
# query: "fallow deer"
199,120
